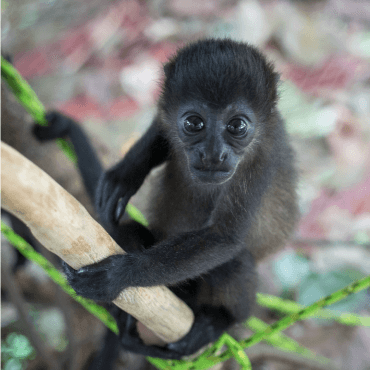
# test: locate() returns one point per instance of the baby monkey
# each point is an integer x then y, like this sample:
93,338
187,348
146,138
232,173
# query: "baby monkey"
225,199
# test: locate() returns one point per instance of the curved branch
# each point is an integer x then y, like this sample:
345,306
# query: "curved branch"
65,228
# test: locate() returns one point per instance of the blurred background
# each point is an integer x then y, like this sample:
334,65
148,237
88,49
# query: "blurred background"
100,62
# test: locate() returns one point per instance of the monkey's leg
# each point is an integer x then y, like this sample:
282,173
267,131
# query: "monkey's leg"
107,355
210,322
232,285
225,295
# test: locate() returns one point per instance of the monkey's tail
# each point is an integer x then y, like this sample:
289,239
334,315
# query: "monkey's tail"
108,354
87,160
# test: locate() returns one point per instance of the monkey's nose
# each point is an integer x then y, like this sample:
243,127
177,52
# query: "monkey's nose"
212,159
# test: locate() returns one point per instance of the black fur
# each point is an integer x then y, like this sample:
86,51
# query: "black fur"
124,181
219,73
224,199
88,162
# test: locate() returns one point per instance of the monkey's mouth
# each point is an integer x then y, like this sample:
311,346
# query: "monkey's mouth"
210,175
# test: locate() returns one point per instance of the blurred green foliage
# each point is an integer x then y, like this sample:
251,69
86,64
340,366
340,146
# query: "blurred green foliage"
15,351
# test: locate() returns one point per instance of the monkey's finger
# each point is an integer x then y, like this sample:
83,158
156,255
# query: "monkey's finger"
104,190
68,270
98,193
102,193
111,190
101,190
111,205
120,209
121,206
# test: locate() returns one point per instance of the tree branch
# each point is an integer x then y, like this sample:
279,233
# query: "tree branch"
64,227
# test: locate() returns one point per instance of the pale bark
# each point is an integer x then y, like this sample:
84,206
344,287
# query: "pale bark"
65,228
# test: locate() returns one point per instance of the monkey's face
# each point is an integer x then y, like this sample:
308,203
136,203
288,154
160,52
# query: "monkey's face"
214,139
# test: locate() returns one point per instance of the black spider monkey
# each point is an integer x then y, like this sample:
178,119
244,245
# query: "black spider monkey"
225,199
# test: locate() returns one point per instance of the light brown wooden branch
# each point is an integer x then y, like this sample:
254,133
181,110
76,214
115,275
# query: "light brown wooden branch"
65,228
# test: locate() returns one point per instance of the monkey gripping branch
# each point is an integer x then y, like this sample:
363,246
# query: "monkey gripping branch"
65,228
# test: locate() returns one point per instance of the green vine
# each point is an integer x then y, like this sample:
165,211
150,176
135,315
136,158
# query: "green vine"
27,97
26,249
287,306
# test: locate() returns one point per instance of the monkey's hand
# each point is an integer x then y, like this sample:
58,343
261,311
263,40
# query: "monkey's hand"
210,322
59,126
120,183
115,188
103,281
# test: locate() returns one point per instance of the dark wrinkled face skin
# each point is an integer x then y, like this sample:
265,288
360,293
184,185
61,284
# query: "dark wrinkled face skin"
215,138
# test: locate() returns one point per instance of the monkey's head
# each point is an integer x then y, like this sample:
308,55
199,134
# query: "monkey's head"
218,100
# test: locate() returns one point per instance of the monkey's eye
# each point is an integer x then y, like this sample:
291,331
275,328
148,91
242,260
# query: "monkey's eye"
237,127
193,124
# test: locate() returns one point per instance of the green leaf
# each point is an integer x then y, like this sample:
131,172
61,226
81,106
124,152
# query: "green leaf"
19,345
13,364
362,237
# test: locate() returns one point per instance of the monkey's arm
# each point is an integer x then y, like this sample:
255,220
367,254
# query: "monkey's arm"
132,235
186,256
171,261
179,258
126,177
